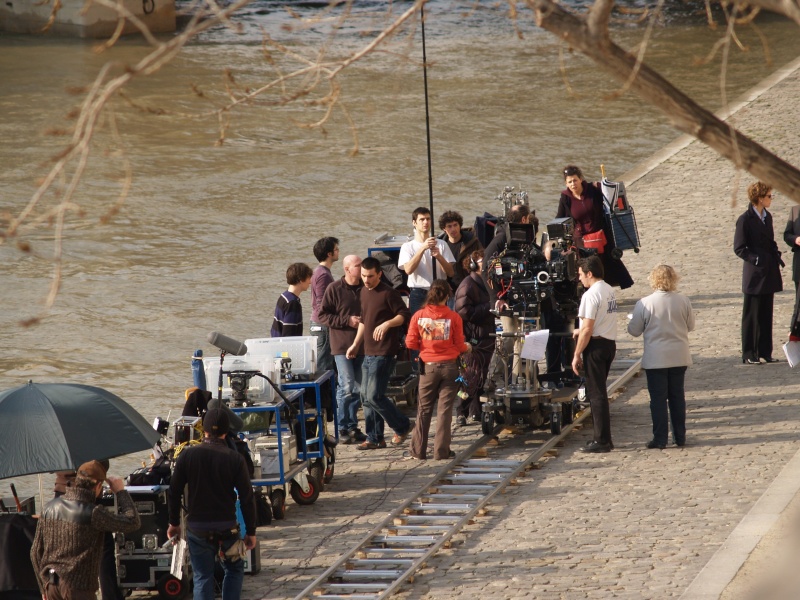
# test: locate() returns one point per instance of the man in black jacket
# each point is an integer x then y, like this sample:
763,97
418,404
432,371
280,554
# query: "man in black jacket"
214,474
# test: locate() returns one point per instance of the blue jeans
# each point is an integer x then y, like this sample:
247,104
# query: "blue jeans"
203,555
375,374
347,392
666,391
416,298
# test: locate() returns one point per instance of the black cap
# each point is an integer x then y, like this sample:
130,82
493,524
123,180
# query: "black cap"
216,422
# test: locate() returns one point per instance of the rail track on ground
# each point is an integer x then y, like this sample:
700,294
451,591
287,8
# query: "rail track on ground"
394,550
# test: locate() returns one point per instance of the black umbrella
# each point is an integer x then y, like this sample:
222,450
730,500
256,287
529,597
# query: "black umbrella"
59,426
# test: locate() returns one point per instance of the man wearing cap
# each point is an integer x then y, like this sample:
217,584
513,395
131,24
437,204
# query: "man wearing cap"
214,474
69,536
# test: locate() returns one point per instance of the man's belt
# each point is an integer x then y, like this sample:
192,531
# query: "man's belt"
217,536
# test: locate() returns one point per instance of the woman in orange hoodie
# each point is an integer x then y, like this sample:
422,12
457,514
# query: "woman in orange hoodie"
438,333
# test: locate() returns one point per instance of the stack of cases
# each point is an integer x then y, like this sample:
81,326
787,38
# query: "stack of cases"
141,559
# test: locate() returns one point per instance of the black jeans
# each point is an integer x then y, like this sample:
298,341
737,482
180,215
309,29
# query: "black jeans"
666,391
757,326
597,358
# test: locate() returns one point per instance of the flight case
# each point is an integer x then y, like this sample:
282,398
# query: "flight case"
142,561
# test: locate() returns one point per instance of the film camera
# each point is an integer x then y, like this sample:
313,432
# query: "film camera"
529,281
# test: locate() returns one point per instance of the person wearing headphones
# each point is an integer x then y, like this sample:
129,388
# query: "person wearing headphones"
473,304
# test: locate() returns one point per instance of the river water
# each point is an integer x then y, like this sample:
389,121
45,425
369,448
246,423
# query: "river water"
203,241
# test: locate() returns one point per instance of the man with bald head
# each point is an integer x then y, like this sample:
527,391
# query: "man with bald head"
340,310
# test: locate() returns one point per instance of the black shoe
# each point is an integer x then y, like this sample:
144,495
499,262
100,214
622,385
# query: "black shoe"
475,419
358,435
680,443
652,444
461,421
596,447
770,359
751,361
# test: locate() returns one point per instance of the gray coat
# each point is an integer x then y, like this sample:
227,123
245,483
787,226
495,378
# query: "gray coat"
665,318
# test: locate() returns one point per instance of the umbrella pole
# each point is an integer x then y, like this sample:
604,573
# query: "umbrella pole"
41,493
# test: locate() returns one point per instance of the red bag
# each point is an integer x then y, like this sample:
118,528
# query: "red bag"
596,240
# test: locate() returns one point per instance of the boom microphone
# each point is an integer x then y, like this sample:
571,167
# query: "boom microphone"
226,344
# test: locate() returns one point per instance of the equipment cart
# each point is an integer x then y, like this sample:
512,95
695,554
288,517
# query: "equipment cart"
268,431
315,445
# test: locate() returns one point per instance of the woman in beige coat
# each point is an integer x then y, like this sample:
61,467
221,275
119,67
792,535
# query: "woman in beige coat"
665,317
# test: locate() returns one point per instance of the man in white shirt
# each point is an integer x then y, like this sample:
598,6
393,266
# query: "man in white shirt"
596,346
424,259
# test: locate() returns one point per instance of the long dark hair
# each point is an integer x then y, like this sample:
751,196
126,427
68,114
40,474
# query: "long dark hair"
439,292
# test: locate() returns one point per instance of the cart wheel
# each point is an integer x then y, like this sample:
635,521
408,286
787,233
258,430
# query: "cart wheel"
305,498
328,477
567,412
487,422
171,588
317,472
278,500
555,422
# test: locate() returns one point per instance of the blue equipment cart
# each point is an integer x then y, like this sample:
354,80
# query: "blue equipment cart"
314,444
271,434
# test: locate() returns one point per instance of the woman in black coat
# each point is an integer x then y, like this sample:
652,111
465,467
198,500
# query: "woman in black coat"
583,201
754,243
473,304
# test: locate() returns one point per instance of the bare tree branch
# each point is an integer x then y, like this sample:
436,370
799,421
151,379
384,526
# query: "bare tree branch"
597,19
685,114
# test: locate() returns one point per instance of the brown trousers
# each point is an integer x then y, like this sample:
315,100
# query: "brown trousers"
437,383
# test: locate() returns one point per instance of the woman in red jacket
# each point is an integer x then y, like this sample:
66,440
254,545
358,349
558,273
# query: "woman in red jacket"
438,333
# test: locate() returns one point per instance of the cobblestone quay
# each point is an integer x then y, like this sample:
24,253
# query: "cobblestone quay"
634,523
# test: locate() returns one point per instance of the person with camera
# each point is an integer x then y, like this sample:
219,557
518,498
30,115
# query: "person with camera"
754,242
438,334
214,474
595,347
665,317
69,540
583,201
519,214
422,258
473,304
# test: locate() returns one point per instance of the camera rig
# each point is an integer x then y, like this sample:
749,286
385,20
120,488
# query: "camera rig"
539,285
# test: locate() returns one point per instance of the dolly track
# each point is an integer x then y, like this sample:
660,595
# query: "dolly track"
394,550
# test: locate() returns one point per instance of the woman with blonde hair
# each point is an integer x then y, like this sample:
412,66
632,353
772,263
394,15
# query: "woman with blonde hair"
665,317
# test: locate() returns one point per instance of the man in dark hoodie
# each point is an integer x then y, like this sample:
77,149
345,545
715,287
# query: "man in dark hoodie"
214,474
